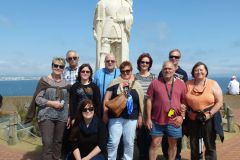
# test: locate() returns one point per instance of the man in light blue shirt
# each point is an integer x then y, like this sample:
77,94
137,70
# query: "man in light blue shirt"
104,76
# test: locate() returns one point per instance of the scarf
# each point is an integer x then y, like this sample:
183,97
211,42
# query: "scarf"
42,85
91,129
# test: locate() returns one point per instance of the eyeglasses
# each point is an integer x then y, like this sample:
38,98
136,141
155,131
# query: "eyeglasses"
110,61
176,57
83,71
72,58
146,62
57,66
125,71
90,109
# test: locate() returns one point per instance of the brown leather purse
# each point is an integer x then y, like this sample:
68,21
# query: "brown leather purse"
117,104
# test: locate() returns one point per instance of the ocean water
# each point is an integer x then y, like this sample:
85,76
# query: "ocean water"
27,87
18,87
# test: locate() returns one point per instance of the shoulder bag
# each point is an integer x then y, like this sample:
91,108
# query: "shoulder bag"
117,104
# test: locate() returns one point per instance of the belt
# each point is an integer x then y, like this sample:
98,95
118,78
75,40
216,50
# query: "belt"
193,114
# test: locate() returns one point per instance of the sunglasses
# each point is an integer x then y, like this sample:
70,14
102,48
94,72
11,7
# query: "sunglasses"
72,58
145,62
110,61
125,71
90,109
83,71
176,57
57,66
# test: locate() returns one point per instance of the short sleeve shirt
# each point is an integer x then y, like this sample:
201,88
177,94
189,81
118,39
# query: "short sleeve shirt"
160,100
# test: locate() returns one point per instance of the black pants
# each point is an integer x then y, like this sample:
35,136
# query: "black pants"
165,147
52,134
143,142
209,137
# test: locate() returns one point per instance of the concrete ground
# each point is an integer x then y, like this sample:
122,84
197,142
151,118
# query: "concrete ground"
229,150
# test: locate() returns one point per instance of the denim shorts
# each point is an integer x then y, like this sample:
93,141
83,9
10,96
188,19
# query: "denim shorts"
168,130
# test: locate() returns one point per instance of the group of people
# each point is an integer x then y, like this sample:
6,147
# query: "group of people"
72,106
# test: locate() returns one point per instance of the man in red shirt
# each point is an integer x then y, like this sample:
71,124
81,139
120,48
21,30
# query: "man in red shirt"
165,110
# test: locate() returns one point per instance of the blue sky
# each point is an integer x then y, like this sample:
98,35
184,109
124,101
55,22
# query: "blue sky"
34,31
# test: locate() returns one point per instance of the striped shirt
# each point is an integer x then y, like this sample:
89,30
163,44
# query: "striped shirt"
145,81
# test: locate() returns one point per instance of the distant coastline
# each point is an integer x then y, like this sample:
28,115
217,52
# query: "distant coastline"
18,78
26,85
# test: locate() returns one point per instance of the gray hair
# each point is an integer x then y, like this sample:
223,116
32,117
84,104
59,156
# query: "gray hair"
69,51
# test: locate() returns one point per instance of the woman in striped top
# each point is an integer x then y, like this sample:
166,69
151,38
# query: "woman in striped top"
144,77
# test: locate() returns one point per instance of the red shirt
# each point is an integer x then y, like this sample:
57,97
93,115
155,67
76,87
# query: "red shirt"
160,100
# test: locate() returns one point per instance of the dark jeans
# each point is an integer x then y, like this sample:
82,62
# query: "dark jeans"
143,142
52,134
165,147
65,144
209,137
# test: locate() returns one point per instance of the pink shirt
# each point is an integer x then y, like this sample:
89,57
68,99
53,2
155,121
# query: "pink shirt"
161,103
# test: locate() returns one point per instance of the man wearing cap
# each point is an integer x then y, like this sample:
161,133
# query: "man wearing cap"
233,86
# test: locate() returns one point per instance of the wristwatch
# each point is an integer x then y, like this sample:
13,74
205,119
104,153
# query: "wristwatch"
183,117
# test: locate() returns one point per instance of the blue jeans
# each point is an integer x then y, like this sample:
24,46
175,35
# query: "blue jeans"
118,127
168,130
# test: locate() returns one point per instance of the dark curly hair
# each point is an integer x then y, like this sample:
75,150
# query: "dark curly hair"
140,59
80,69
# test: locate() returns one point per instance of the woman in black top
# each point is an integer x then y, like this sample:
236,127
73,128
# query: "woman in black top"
88,137
125,124
83,89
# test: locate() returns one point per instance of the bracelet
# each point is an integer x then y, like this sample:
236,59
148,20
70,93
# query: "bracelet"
210,113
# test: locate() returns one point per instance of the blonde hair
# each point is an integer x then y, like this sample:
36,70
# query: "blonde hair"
59,59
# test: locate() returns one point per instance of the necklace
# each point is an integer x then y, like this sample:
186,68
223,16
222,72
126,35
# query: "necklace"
199,89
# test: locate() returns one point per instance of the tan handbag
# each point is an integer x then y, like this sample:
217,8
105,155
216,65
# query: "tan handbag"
117,104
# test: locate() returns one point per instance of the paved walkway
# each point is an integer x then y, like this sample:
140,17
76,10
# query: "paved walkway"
229,150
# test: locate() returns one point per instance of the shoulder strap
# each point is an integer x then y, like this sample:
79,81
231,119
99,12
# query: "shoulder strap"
115,73
132,84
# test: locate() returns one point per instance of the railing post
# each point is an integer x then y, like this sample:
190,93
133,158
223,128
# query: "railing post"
12,133
230,123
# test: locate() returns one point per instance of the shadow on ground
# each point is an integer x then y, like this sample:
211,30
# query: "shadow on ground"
33,155
160,157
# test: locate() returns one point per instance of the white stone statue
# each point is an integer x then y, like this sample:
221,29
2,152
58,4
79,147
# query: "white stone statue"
112,24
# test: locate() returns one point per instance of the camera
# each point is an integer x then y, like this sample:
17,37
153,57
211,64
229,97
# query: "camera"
201,117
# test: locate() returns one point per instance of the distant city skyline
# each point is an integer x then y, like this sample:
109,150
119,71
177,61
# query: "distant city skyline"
33,32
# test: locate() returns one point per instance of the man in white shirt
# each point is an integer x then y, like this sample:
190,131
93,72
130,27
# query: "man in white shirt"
71,72
233,86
